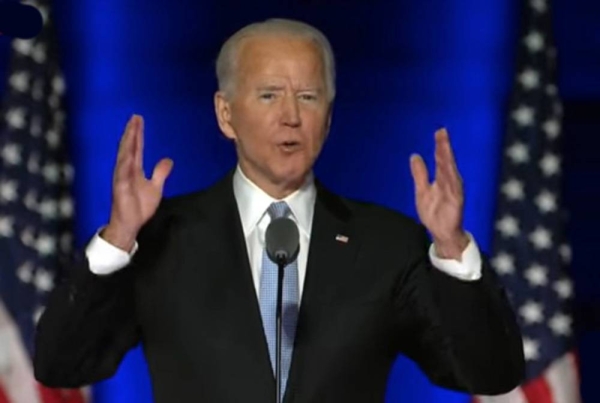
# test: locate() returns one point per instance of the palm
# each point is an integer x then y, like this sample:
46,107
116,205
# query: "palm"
439,204
135,198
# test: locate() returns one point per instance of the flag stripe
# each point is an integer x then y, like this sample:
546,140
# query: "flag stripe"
16,376
563,380
514,396
538,390
3,398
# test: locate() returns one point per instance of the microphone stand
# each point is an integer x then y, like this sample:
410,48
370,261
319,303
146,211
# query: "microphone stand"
281,262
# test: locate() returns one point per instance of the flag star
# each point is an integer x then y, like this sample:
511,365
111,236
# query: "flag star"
19,81
537,275
508,226
59,117
550,164
58,84
524,115
539,5
513,189
518,152
552,128
51,172
54,101
39,53
45,245
25,272
53,138
39,311
551,89
68,173
48,209
15,117
564,288
66,207
30,200
43,280
546,202
43,12
66,242
22,46
560,324
503,263
11,154
35,127
8,191
558,109
565,253
531,349
33,164
532,312
37,93
27,237
530,79
541,238
534,41
6,226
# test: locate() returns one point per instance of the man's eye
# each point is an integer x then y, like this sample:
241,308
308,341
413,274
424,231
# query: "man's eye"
267,96
308,97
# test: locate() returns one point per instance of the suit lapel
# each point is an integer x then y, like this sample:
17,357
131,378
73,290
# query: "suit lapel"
332,251
229,236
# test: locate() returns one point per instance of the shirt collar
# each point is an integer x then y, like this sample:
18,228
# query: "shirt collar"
253,202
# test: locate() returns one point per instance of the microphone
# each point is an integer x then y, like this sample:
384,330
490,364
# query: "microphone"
282,244
282,241
19,20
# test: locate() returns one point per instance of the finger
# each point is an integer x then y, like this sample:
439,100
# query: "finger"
447,174
139,144
125,138
161,172
445,147
419,173
125,154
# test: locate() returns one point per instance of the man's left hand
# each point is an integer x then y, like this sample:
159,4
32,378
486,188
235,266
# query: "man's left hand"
440,204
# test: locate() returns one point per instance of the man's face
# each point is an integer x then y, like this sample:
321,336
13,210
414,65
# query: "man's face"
279,112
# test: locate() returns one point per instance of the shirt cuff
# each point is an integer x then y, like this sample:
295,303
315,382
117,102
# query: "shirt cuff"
105,258
467,269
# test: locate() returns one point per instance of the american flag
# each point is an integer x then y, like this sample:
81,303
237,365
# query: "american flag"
530,253
36,209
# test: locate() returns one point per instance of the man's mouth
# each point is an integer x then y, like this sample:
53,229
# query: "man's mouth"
289,145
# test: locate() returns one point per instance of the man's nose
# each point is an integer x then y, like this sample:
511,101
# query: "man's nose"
291,112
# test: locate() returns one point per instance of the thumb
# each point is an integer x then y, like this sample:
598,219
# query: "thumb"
161,172
419,173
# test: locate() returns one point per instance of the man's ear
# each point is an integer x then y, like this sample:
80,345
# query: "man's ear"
223,112
329,116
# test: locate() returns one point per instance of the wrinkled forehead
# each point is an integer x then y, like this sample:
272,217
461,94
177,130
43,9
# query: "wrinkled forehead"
274,52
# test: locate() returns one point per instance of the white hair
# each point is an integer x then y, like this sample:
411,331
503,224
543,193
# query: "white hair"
228,56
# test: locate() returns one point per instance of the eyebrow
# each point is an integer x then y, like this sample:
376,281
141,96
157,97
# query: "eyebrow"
273,87
270,87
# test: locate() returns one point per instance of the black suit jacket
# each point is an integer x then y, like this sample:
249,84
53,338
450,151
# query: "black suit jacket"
188,297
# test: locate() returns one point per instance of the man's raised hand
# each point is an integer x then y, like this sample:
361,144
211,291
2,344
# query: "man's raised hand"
134,197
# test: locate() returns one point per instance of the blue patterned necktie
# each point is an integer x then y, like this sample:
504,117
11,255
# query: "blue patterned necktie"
268,302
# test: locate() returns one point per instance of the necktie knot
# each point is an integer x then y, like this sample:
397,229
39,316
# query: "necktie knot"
278,210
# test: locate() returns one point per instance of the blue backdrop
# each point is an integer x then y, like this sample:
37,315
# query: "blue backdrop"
405,69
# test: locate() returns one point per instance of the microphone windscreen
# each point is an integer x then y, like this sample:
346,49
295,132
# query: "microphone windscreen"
282,240
19,20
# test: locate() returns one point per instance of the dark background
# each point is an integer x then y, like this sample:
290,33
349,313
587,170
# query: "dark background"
405,68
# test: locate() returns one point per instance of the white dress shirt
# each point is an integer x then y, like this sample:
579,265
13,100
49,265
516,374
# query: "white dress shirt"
253,203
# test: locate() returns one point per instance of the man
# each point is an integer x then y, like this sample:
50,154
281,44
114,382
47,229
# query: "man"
188,277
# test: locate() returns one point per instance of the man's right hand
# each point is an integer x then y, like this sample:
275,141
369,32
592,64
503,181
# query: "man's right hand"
135,198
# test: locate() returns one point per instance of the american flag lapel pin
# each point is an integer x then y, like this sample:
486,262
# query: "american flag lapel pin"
341,238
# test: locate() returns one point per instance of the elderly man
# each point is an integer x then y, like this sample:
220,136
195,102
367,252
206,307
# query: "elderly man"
188,276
